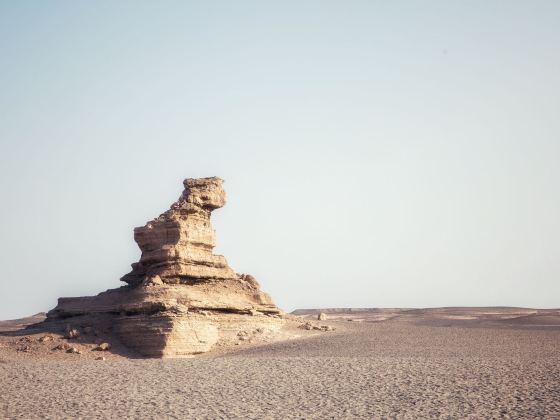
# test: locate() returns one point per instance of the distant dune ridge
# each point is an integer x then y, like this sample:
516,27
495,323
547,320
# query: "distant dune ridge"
180,298
450,309
495,316
18,324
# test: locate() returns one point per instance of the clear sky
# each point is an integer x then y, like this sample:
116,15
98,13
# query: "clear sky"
376,154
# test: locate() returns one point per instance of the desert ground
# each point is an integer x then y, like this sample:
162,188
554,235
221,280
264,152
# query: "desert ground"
377,363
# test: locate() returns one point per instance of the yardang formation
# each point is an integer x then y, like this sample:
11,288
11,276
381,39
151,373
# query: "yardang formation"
180,298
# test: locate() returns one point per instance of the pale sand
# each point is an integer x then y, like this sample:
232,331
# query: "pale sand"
415,364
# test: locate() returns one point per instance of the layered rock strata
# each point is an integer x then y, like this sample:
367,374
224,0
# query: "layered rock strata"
180,298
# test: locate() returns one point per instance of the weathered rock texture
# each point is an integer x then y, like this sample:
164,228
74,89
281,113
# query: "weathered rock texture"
180,298
177,246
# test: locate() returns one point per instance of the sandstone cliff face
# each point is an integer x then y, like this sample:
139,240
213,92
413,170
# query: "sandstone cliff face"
180,298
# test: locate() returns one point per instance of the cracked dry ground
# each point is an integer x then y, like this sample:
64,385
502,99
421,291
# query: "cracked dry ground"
391,369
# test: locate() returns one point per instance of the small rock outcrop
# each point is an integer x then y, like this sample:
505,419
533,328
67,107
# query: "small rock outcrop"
180,298
103,347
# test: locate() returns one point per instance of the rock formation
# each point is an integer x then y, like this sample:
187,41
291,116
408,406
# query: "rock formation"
180,298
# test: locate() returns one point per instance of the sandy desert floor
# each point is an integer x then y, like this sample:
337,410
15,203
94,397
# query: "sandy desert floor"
439,363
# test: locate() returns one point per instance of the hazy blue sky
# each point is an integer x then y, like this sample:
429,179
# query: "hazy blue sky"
397,153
